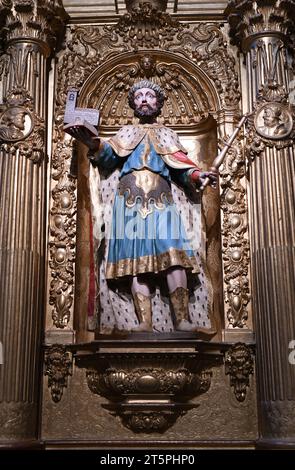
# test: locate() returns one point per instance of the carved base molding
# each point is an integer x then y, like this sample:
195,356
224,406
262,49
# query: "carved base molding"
148,386
148,391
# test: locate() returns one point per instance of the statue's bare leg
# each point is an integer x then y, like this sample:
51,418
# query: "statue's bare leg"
142,302
177,285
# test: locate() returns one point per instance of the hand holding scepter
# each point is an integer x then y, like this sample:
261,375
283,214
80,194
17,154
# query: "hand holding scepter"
220,157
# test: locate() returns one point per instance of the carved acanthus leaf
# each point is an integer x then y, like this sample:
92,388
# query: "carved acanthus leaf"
41,20
247,18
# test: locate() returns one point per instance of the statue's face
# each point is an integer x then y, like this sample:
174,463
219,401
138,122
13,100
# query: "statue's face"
145,101
19,121
270,117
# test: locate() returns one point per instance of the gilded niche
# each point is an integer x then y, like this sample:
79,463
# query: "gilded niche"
95,53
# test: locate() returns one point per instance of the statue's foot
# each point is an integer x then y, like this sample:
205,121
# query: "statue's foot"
185,325
143,326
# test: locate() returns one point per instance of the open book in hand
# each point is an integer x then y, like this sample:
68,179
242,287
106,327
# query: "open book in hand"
82,124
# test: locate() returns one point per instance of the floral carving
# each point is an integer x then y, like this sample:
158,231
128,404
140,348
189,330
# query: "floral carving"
62,249
58,366
234,231
239,365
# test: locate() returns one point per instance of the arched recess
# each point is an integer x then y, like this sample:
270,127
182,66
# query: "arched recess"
191,109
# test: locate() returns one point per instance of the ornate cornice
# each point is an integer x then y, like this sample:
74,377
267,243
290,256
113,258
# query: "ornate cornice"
249,20
40,21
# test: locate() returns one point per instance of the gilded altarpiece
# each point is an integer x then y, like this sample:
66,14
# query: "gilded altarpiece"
194,64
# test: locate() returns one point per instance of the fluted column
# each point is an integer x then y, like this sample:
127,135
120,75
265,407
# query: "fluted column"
31,29
262,31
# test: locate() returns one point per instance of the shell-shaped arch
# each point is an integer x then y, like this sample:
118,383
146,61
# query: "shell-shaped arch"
191,95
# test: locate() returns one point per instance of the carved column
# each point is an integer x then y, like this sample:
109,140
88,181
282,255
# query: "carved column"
31,29
262,30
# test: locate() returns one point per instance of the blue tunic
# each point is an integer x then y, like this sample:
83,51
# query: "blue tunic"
148,243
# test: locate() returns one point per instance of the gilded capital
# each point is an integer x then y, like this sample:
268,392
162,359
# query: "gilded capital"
37,21
250,20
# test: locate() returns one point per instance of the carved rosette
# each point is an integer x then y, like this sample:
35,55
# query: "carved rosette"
235,241
148,391
239,365
89,49
58,366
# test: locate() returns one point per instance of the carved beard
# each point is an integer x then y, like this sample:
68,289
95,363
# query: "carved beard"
147,114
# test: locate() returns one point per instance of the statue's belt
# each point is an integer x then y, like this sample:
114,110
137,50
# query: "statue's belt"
146,188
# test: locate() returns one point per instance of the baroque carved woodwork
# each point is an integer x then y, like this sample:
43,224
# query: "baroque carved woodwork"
234,230
40,20
264,32
27,33
260,18
148,391
58,366
200,79
146,26
239,365
22,129
272,123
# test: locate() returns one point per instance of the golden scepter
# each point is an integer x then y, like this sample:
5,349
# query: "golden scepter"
220,157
